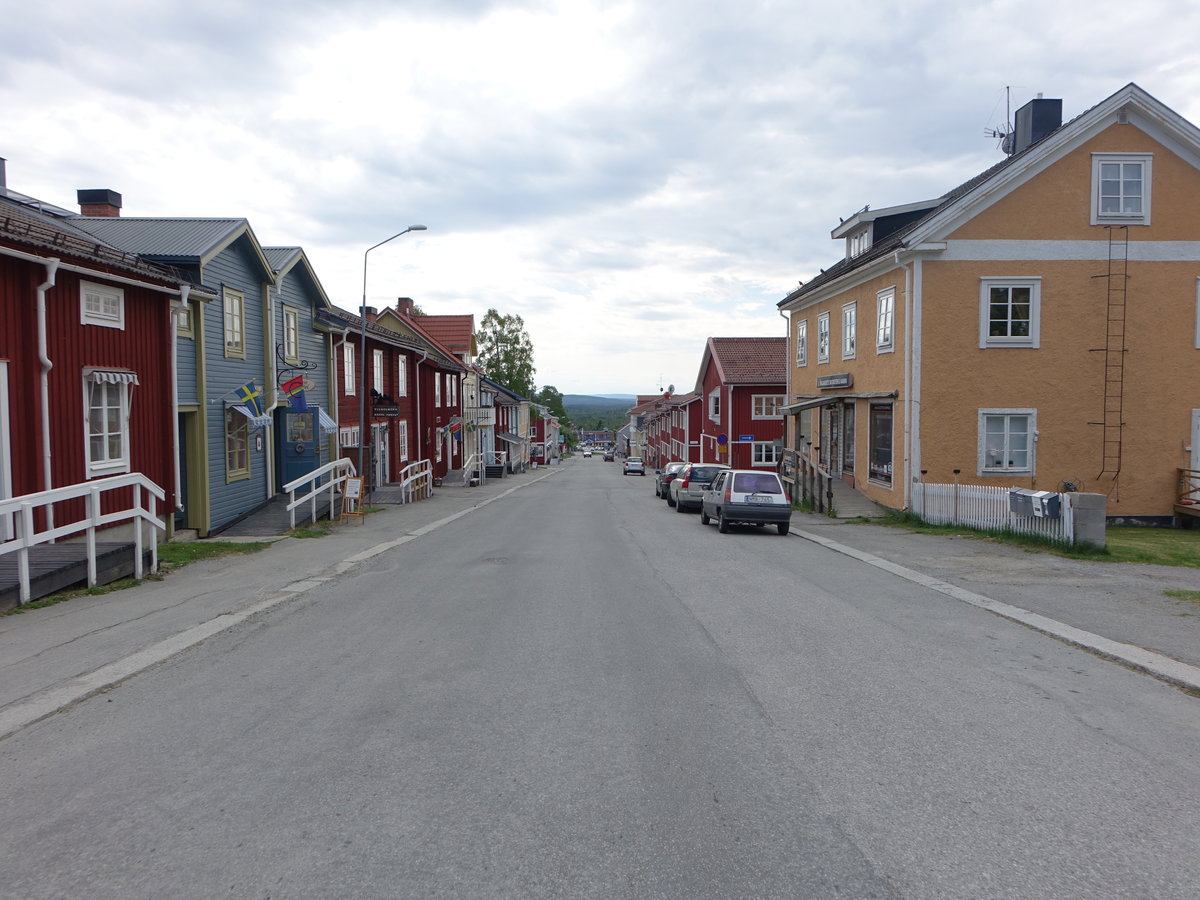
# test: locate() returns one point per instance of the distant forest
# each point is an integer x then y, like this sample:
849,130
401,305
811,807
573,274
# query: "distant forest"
591,413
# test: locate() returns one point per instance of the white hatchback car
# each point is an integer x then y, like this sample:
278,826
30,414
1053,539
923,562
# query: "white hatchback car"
634,465
746,497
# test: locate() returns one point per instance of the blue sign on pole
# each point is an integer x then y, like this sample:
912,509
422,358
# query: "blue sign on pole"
722,439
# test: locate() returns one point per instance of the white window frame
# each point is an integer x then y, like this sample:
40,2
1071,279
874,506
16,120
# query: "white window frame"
233,317
885,321
859,242
823,338
377,371
801,343
1033,339
235,437
766,406
1099,160
291,334
348,437
437,388
982,462
402,438
349,372
849,330
402,375
115,398
184,321
101,304
1198,313
764,454
714,404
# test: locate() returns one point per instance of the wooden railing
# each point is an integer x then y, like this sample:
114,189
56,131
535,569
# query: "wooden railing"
416,481
18,514
1187,497
812,484
313,484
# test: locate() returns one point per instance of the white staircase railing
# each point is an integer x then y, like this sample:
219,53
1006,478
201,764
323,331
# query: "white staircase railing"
337,472
496,458
96,495
473,468
416,481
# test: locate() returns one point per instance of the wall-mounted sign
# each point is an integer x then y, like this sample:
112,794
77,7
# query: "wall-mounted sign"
828,382
385,411
745,437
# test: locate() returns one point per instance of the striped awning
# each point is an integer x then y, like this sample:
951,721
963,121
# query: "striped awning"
257,421
112,376
328,426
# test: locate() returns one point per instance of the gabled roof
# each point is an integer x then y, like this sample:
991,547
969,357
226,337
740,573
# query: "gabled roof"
41,232
283,259
455,332
511,396
971,196
745,360
170,240
412,323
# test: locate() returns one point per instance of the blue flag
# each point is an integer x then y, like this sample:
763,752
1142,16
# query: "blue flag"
249,395
299,402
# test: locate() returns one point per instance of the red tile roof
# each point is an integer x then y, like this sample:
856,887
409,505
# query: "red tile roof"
456,332
748,360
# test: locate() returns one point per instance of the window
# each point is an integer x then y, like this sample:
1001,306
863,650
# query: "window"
1006,441
291,334
437,388
1121,188
802,342
848,438
885,321
714,405
107,405
100,304
823,338
377,370
348,437
402,440
849,330
235,323
859,242
1009,312
348,368
402,376
767,406
764,453
237,445
881,442
183,322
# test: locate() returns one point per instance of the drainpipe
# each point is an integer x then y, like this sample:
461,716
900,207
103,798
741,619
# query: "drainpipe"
184,292
417,405
787,368
908,378
47,365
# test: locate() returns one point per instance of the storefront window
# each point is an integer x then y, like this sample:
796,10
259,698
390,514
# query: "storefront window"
881,442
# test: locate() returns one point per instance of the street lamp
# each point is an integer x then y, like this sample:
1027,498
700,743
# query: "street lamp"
362,350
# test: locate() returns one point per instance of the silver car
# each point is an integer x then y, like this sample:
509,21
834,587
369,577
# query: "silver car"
687,487
634,466
746,497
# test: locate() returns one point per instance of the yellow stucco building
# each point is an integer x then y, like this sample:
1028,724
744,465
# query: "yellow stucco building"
1037,326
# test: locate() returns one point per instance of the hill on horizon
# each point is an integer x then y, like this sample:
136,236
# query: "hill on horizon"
585,400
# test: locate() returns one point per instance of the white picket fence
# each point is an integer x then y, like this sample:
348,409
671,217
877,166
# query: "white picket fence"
987,506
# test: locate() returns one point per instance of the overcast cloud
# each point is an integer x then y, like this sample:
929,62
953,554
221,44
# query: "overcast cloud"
629,177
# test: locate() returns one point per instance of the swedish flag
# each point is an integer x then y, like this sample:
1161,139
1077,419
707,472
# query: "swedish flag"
249,395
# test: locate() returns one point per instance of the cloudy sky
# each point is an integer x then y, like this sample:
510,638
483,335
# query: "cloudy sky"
629,177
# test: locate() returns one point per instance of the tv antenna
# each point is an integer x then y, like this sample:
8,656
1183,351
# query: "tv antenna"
1004,135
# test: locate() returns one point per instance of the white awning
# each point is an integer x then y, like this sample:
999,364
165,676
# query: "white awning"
257,421
328,426
508,437
112,376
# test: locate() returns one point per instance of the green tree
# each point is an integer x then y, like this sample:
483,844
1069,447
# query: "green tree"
550,397
506,352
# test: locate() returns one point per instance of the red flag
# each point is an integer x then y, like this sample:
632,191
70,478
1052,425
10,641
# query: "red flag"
293,384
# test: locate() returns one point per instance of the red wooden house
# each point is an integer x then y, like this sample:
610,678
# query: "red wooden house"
741,388
87,365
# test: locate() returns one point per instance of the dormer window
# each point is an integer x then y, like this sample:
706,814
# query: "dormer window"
858,242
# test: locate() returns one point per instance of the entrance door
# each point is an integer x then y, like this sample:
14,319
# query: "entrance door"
6,523
379,438
298,451
848,441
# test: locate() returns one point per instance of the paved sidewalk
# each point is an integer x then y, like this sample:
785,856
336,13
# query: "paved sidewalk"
1118,602
55,656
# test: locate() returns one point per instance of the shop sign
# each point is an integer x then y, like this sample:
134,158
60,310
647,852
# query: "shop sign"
385,411
829,382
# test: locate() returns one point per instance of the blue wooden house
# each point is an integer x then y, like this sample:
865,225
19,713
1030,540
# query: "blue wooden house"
225,358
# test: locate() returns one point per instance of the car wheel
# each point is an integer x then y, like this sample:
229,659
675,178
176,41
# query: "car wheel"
656,491
704,519
670,502
783,527
679,506
722,526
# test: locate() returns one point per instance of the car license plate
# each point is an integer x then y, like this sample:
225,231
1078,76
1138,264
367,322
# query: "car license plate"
761,498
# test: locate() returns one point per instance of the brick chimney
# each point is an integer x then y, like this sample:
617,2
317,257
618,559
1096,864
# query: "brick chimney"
99,202
404,306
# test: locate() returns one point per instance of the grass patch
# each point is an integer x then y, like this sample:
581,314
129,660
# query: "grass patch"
1124,543
1188,596
308,531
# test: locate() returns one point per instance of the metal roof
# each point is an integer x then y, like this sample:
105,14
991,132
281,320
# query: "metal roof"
165,239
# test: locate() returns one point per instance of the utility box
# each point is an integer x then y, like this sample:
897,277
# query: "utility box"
1037,504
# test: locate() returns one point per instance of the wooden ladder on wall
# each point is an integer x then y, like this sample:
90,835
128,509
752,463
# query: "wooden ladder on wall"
1114,350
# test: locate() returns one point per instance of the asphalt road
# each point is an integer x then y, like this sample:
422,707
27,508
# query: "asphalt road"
577,692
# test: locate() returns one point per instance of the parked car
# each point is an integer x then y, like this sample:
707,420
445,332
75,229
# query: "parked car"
634,466
687,488
609,455
746,497
663,479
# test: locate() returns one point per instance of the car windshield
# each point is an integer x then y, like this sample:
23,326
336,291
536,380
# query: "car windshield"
674,467
704,473
756,483
634,459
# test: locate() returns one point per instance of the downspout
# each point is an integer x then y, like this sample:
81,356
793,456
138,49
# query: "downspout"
47,365
269,388
332,398
184,292
908,380
417,405
788,363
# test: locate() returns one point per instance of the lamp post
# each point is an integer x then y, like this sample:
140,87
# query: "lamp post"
362,349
